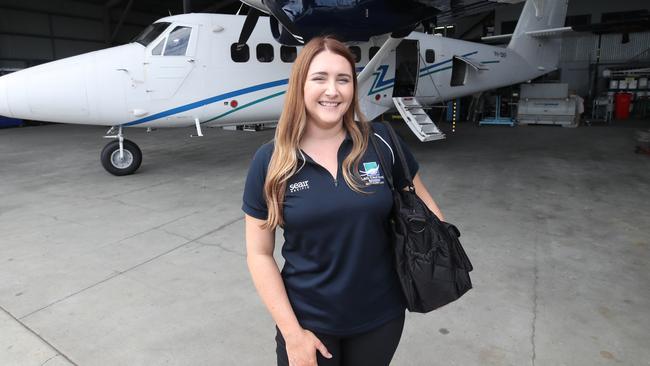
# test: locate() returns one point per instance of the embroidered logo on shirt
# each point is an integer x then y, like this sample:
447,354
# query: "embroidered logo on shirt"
299,186
370,174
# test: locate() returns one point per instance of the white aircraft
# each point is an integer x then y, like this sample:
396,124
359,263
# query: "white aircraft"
186,70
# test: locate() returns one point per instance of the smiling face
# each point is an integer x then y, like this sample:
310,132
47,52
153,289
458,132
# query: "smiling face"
328,90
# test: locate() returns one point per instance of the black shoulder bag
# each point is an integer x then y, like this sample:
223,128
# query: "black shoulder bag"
432,266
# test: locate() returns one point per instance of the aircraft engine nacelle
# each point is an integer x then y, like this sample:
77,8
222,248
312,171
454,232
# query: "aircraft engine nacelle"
295,22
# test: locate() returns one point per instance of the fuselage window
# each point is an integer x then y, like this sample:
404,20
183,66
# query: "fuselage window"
239,55
264,52
373,52
157,51
356,52
179,38
288,54
430,56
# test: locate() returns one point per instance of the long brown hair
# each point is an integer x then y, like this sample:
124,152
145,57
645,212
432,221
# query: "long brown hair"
292,125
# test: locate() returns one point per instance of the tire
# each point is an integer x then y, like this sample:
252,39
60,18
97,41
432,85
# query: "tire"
130,163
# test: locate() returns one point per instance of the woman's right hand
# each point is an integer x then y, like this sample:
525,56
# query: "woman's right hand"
302,348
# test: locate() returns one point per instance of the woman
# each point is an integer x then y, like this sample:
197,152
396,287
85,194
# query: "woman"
337,300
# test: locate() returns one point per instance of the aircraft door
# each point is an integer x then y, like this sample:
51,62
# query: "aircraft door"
407,68
170,61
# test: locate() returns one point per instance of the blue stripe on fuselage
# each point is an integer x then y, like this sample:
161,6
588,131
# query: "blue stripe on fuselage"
210,100
446,61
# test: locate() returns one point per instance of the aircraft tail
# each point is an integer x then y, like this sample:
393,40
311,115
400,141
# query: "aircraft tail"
539,15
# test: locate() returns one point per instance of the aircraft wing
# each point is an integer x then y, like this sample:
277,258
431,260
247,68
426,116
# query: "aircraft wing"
294,22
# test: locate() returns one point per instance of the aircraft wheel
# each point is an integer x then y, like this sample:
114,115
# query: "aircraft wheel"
128,164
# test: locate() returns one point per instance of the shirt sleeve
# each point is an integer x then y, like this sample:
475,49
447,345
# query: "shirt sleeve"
398,171
254,203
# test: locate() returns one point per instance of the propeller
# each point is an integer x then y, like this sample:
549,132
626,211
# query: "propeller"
282,26
249,25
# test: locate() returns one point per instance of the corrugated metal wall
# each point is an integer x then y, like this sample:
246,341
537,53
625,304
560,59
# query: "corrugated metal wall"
578,48
613,50
579,52
583,48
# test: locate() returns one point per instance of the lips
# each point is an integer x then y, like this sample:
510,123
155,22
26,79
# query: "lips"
329,104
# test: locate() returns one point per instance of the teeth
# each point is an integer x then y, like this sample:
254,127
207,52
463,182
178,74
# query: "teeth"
329,104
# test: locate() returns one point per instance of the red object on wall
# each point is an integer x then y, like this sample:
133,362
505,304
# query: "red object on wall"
623,101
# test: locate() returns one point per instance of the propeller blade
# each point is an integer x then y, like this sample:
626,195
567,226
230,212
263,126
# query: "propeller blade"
249,25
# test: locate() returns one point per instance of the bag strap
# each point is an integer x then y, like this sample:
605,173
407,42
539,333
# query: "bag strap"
388,171
400,153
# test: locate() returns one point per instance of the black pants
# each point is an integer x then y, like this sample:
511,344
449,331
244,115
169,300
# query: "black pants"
373,348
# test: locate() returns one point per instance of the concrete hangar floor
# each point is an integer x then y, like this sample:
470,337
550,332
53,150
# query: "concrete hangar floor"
150,269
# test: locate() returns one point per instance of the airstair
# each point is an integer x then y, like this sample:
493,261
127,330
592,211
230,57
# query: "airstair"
417,119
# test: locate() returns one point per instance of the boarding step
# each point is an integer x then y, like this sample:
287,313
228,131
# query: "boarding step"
417,119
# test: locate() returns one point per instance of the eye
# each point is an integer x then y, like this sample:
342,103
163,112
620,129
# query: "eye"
344,80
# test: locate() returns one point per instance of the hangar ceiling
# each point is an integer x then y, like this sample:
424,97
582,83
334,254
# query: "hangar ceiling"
164,7
123,12
36,31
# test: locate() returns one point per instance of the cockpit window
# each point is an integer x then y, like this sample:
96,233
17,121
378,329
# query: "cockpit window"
150,33
178,40
157,51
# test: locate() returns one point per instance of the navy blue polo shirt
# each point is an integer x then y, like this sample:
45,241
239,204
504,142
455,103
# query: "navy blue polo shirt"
338,272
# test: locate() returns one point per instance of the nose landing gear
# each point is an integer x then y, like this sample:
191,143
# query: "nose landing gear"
120,157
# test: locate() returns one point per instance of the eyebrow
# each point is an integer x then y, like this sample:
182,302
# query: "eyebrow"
323,73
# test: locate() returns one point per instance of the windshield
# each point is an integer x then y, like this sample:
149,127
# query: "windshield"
150,33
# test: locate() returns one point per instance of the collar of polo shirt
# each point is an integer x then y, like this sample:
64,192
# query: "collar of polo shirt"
304,157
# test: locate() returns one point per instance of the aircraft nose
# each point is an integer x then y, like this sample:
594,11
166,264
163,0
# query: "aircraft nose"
4,103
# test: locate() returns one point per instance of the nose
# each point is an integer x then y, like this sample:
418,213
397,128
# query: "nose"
331,90
4,103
